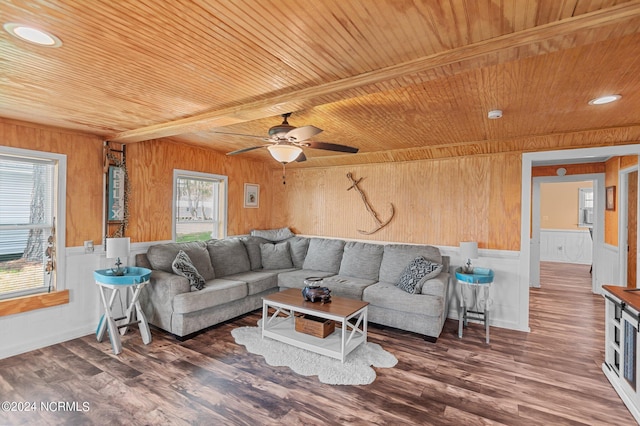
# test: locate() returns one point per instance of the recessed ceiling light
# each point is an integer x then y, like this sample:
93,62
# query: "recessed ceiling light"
494,114
32,35
604,99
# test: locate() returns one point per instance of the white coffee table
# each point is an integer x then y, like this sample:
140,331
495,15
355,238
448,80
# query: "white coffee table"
350,314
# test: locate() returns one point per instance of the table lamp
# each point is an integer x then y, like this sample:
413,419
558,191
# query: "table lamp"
468,250
117,248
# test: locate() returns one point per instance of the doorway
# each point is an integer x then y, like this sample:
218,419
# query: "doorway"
599,252
628,226
572,240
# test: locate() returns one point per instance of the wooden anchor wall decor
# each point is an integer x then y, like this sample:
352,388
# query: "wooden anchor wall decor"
380,224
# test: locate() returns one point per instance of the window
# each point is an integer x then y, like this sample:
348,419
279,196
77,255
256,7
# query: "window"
199,206
30,231
585,207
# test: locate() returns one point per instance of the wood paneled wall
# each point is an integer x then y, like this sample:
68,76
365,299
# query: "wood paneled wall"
441,202
84,173
572,169
151,166
612,169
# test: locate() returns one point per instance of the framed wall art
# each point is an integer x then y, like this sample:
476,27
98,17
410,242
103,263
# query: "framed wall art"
251,195
611,197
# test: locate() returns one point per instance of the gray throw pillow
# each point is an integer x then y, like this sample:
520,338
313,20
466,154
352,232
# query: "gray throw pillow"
252,244
324,255
182,266
416,273
273,234
276,256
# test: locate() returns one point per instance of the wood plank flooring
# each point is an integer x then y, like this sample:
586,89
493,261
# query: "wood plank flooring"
551,376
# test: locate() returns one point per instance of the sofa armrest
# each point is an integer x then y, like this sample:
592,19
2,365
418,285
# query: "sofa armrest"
437,286
157,297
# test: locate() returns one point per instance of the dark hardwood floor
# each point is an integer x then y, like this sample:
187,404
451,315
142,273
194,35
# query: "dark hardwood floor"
551,376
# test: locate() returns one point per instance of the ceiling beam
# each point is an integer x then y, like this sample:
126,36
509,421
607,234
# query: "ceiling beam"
344,88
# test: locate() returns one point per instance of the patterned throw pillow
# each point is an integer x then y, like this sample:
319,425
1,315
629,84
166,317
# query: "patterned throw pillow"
182,266
416,273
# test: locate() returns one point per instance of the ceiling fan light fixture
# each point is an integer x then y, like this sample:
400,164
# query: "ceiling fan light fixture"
284,153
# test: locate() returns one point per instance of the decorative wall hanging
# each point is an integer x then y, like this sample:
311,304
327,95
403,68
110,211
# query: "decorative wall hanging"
251,195
611,198
117,191
380,224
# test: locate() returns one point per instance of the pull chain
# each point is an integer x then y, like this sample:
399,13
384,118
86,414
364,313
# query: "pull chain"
284,181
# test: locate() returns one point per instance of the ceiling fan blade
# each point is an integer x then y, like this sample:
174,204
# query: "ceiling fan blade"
303,133
331,147
240,134
240,151
301,158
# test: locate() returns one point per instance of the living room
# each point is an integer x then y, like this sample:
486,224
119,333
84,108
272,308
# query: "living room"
449,179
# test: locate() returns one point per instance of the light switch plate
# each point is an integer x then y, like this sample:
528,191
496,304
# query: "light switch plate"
88,246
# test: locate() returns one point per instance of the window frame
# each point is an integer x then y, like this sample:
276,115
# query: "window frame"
581,206
179,173
60,197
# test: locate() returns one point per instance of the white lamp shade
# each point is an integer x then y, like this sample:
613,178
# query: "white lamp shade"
118,247
469,250
284,153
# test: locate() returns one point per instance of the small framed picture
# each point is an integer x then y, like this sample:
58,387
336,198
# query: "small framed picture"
611,197
251,195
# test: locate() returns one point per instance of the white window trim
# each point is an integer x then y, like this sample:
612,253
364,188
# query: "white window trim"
198,175
61,205
581,207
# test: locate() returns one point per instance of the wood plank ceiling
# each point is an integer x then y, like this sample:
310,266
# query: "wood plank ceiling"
393,78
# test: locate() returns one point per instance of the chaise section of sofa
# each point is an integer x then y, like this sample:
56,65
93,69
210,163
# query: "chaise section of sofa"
231,287
389,305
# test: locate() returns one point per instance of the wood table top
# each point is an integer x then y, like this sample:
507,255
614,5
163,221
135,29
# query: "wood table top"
631,298
340,306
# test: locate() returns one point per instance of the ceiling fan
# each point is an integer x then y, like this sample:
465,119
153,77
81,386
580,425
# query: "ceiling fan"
285,142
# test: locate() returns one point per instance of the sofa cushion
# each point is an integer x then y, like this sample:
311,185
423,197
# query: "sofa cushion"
397,256
324,255
161,257
388,296
182,266
344,286
228,256
273,234
252,244
215,292
257,281
295,279
298,247
276,256
361,260
416,273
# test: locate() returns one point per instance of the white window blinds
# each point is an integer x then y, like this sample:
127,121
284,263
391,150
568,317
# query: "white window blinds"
27,206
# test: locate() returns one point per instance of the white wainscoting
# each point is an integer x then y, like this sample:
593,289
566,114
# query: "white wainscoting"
43,327
506,289
608,271
566,246
36,329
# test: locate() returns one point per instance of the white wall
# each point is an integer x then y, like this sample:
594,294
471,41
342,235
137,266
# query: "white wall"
36,329
505,292
567,246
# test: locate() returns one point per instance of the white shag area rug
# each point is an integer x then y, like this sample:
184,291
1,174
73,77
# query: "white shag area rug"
356,369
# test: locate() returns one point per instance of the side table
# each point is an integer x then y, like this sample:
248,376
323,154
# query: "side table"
134,279
475,301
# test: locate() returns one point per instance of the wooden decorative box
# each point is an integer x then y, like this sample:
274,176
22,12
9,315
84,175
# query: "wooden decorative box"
315,326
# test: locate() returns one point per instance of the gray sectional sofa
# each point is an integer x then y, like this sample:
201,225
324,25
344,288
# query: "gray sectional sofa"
237,272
